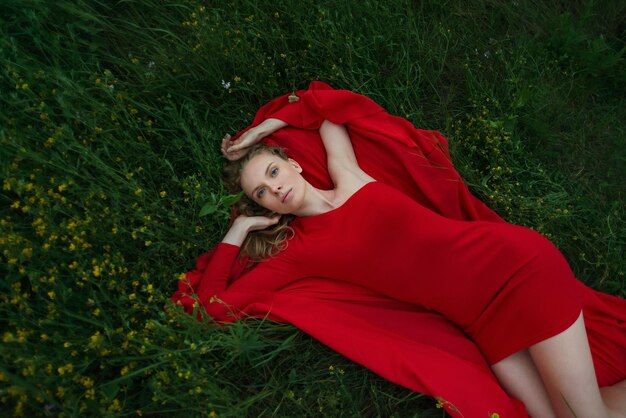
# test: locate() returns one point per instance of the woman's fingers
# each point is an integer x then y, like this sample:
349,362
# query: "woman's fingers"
262,222
234,150
226,148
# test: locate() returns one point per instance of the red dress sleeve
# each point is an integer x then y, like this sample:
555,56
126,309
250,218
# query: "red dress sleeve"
224,289
217,273
213,271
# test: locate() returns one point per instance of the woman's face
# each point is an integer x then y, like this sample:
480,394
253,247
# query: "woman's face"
274,183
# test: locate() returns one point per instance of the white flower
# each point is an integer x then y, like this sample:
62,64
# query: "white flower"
226,84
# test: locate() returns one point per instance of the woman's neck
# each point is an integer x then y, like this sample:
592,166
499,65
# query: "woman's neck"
317,201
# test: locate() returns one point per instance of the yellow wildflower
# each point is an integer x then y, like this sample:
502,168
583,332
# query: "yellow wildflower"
87,382
115,406
95,340
67,369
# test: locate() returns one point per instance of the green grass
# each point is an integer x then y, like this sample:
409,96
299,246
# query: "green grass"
110,117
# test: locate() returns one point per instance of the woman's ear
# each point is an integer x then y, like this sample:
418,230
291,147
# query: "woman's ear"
295,164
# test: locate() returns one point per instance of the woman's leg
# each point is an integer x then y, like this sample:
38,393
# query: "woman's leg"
519,377
566,367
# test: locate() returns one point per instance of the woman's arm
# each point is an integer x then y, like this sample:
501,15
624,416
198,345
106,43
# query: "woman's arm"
341,158
217,273
340,153
234,150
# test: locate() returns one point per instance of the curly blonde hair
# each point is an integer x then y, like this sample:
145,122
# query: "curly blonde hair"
268,242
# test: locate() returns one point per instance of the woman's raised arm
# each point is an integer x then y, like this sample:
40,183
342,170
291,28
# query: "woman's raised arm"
234,150
340,154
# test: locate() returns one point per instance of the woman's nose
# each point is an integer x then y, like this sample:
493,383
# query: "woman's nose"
276,188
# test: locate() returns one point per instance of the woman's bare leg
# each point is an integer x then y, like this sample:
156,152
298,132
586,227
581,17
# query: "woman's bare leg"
566,367
519,377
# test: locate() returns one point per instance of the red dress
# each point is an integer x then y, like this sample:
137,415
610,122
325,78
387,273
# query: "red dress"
420,282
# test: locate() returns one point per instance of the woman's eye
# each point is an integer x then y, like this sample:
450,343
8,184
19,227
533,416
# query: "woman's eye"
260,193
274,172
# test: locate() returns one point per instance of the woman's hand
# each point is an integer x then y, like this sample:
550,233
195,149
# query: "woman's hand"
255,223
234,150
242,225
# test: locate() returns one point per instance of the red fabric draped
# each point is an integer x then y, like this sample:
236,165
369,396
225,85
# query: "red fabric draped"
403,343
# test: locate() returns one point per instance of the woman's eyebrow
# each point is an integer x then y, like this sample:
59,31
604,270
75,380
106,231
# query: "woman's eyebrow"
266,171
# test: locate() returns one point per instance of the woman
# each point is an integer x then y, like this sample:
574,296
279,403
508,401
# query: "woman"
543,360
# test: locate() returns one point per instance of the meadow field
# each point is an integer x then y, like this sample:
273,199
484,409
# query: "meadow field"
111,113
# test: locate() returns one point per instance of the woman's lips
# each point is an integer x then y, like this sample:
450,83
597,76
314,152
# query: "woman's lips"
286,195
